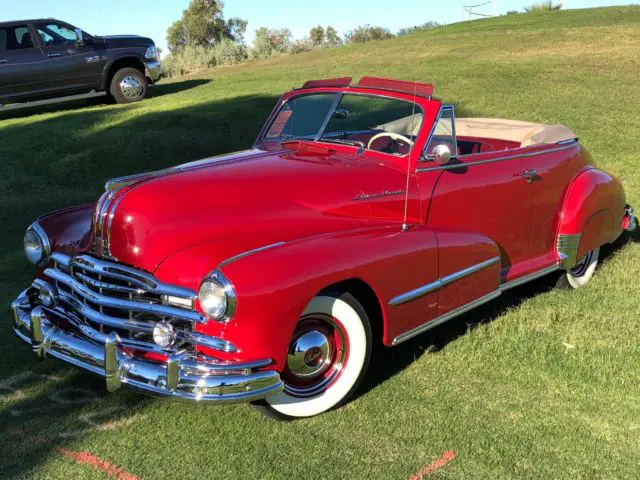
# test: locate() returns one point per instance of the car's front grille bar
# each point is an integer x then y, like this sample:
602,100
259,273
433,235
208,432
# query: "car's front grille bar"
122,304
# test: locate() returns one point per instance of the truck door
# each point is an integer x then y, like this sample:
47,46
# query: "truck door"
68,66
20,63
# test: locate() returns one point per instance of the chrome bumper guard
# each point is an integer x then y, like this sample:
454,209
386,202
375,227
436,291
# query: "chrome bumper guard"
184,375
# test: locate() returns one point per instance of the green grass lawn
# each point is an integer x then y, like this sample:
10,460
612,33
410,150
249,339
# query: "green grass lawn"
539,384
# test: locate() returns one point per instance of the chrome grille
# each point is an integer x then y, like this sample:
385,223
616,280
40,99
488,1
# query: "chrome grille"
110,297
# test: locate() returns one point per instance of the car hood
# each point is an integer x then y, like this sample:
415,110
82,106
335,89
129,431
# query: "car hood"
126,41
243,201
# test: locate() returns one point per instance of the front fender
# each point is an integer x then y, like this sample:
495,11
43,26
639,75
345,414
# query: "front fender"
69,230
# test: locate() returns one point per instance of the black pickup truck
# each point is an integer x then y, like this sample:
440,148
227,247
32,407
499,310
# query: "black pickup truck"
48,59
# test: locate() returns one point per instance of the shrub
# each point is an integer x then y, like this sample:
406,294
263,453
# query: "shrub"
403,32
189,60
228,52
367,33
301,46
546,5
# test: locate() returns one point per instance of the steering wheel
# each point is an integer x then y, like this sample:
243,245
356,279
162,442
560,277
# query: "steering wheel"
394,136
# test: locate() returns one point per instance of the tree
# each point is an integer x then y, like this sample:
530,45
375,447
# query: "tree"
367,33
176,38
333,40
203,24
317,36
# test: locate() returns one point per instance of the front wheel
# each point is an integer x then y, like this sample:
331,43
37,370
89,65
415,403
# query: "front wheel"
128,85
327,359
582,273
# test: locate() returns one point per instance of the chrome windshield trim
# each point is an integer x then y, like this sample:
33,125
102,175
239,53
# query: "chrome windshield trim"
441,282
560,147
247,253
109,302
423,155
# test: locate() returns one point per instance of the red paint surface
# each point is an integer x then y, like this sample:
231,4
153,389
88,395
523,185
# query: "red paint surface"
447,457
81,458
340,213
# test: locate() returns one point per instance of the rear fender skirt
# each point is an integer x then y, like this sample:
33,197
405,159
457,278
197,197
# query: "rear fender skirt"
591,215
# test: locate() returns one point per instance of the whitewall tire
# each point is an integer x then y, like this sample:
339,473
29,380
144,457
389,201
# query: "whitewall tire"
582,272
327,359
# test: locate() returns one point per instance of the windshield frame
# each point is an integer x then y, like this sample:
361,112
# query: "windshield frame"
334,106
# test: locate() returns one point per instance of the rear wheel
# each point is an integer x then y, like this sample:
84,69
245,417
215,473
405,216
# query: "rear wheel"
328,357
582,272
128,85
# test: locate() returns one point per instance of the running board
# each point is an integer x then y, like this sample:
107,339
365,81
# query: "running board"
38,103
471,305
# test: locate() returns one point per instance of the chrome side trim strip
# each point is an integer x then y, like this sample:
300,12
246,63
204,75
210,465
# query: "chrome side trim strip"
559,148
447,316
438,284
527,278
249,252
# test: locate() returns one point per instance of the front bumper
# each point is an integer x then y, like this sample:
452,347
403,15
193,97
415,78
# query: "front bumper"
153,70
184,375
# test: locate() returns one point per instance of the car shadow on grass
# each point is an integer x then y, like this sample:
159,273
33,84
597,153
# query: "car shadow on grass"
387,362
155,91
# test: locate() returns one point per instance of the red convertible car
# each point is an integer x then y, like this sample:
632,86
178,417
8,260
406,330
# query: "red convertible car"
363,214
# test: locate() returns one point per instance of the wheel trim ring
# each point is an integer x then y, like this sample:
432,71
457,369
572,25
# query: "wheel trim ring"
330,375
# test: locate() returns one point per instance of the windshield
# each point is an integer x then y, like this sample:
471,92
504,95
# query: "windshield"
375,123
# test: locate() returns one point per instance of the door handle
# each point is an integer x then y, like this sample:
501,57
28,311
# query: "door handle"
530,175
54,55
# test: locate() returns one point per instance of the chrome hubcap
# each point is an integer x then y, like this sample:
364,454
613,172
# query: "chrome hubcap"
131,87
309,355
317,355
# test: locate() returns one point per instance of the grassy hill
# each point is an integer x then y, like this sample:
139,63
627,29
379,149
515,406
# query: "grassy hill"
540,384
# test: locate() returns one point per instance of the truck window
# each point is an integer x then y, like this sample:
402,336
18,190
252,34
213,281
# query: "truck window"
56,34
17,37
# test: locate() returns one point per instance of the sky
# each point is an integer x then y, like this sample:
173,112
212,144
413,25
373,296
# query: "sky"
152,17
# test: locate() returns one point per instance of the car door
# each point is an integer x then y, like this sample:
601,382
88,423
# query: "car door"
70,66
20,64
481,193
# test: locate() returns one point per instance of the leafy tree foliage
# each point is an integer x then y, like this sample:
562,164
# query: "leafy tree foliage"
332,39
270,42
367,33
203,24
317,36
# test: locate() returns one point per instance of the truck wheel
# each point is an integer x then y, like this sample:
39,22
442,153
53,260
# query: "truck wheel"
582,273
128,85
328,357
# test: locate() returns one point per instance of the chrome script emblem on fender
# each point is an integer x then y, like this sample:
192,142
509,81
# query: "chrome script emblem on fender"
386,193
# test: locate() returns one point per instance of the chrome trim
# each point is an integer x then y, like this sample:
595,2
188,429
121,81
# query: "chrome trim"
144,280
447,316
46,245
109,302
230,291
153,70
441,282
527,278
561,147
183,375
567,248
247,253
107,244
424,155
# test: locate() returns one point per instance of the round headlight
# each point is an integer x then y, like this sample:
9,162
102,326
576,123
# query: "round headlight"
36,245
213,298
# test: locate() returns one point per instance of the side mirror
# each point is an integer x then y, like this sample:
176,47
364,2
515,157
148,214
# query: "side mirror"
441,154
79,38
341,114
